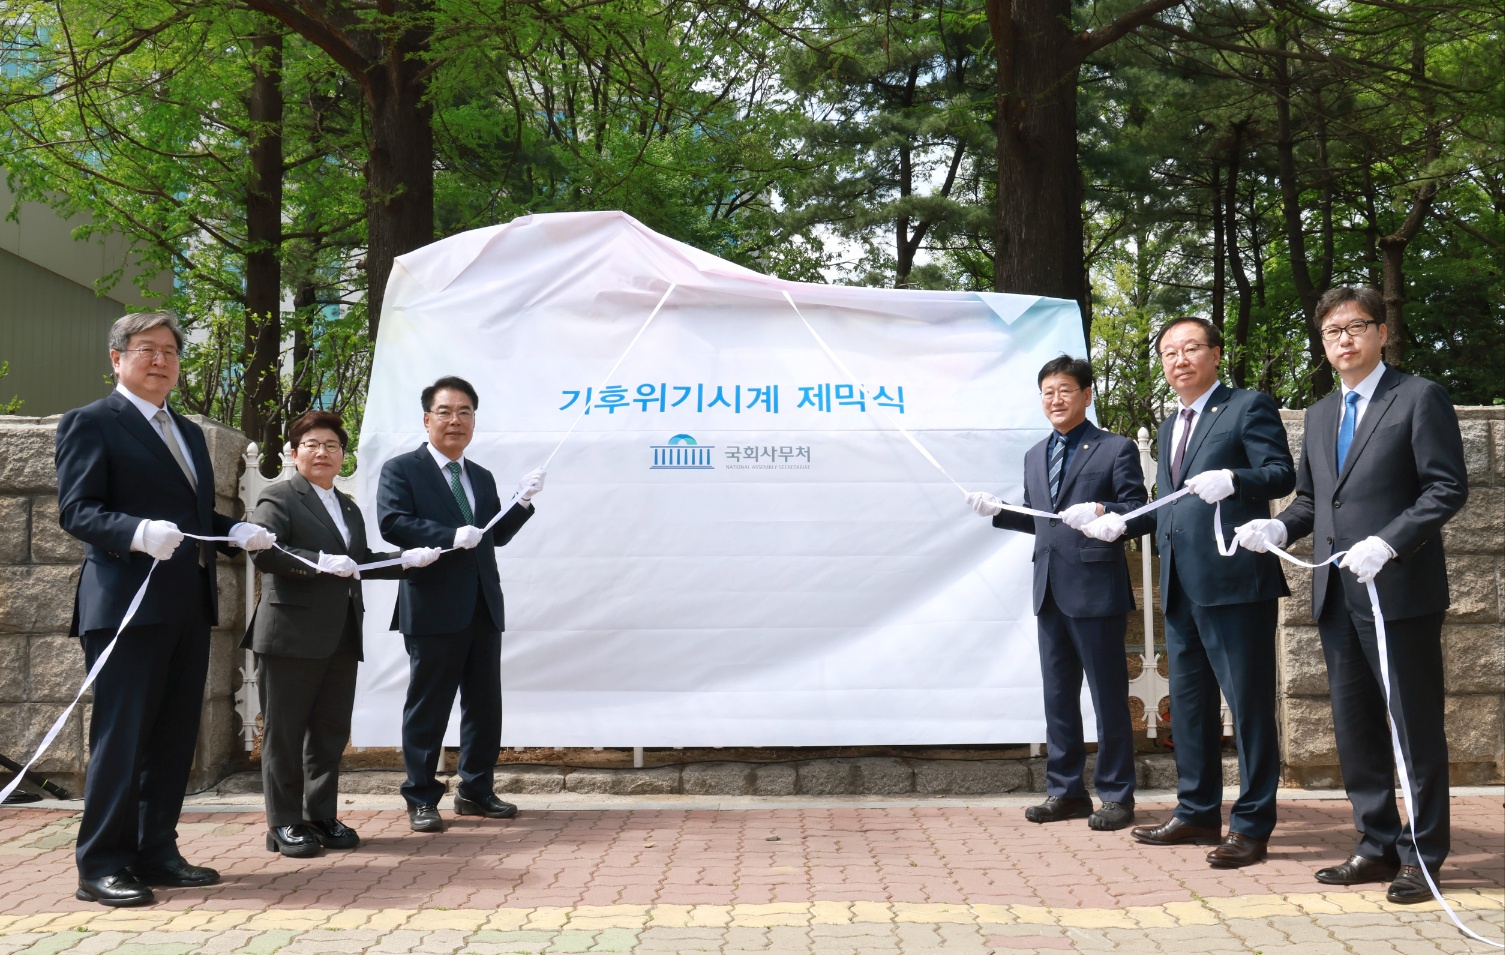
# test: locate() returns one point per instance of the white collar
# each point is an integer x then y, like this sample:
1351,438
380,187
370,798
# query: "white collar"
443,460
326,494
142,405
1366,387
1200,403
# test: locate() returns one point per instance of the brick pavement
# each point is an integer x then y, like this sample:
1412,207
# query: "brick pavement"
818,876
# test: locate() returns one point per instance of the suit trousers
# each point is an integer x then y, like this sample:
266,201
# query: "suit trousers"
1365,754
142,731
1229,647
305,713
1070,647
439,665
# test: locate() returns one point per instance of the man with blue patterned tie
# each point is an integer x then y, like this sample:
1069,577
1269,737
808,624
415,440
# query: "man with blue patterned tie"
1381,471
450,613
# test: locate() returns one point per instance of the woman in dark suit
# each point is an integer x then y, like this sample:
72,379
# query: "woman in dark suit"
307,636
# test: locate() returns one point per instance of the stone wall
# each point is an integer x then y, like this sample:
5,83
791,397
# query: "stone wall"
1473,632
41,667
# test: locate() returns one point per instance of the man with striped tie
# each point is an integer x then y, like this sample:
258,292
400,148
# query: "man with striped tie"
450,612
1082,597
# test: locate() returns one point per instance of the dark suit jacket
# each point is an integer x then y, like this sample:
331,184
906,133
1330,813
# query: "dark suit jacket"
1086,577
1241,431
302,613
1404,478
416,508
113,472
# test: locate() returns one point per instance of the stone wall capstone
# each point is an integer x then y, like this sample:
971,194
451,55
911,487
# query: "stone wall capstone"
41,667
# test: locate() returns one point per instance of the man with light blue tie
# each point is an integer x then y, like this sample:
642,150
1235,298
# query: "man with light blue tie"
1381,472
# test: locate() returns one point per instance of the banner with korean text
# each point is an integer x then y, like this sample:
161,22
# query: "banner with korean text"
735,545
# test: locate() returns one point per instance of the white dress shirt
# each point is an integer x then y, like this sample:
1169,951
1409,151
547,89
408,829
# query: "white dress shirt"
331,503
148,411
1196,412
1365,389
443,463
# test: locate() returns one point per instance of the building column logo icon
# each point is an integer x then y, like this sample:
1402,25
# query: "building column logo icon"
682,454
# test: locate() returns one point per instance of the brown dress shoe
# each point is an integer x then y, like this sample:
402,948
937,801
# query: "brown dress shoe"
1409,887
1237,851
1176,832
1358,870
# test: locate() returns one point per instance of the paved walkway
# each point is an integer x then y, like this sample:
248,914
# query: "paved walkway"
687,874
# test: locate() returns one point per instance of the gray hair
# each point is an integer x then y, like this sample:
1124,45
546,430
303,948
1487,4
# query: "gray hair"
135,324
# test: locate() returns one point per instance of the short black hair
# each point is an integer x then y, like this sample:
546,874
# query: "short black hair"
1064,364
455,383
1213,333
1366,298
310,420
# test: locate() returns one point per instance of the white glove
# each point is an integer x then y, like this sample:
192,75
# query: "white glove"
467,537
251,537
1108,528
159,539
984,503
1078,516
420,556
530,485
1260,535
1211,486
341,565
1366,558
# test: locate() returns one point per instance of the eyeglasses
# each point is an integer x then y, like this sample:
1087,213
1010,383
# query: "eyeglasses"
464,415
1064,393
1331,333
148,353
329,447
1189,352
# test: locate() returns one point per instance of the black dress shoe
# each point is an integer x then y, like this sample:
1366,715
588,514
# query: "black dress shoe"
295,842
1358,870
176,874
1237,851
1409,887
118,890
488,806
1059,809
333,834
425,818
1176,832
1111,816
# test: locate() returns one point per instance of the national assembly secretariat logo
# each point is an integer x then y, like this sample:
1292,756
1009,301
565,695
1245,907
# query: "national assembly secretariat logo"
682,453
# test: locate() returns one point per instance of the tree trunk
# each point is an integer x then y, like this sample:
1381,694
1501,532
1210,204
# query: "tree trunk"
1219,280
1039,225
259,417
300,395
1238,365
399,175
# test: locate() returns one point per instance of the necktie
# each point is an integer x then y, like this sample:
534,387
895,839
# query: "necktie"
1345,430
172,445
453,468
1057,462
1186,418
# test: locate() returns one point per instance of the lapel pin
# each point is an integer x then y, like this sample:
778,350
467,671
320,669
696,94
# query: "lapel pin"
1214,409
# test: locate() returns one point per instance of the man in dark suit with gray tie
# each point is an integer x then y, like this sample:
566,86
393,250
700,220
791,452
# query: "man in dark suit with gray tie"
1381,471
450,613
133,477
1081,596
1229,447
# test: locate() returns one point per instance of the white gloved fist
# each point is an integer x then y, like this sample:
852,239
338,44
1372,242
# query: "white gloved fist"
1211,486
420,556
159,539
251,537
467,537
1366,558
1078,516
341,565
984,503
1108,528
1260,535
530,485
